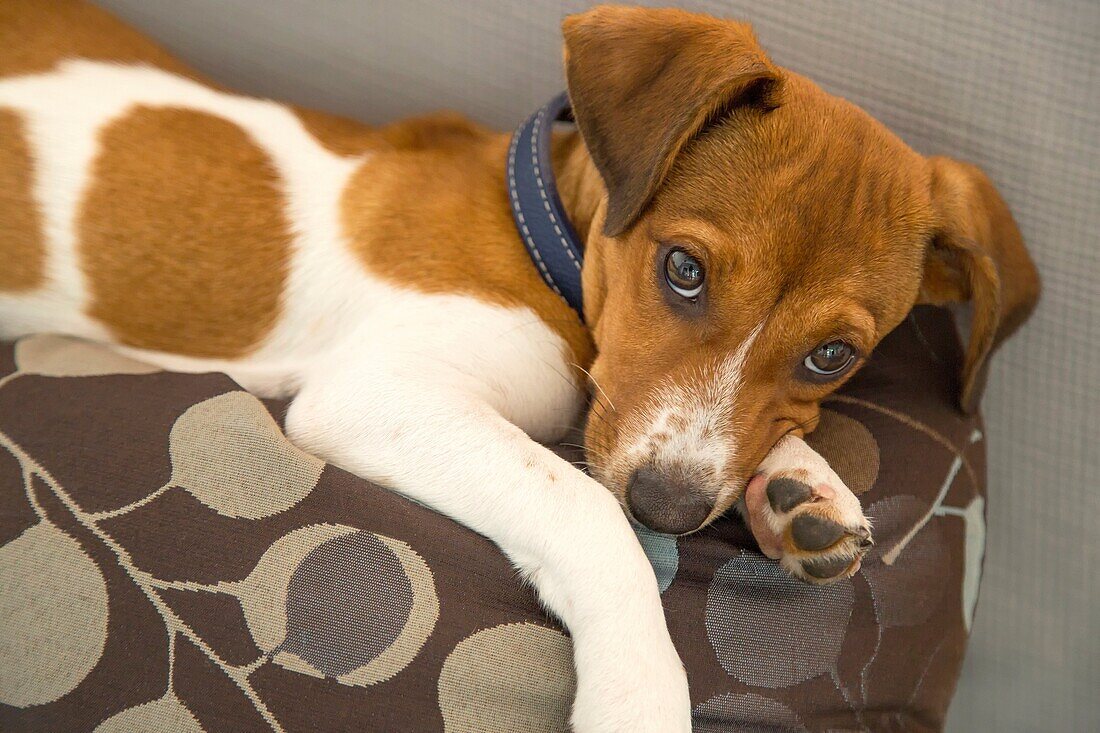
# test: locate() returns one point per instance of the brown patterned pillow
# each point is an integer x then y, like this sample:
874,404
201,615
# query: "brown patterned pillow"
169,562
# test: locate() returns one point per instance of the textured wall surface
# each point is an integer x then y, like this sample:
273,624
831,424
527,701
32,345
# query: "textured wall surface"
1012,86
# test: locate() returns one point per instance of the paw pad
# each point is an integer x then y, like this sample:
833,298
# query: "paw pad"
784,494
814,527
813,533
825,569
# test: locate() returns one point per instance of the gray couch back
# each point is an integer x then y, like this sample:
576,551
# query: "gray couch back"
1012,86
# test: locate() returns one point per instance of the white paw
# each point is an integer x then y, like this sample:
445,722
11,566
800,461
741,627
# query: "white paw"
803,515
630,687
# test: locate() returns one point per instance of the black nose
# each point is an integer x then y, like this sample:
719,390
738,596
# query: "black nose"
666,501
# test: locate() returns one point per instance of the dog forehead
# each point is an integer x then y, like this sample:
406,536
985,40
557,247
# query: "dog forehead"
800,205
813,162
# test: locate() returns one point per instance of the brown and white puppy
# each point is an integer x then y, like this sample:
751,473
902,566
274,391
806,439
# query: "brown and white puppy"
749,240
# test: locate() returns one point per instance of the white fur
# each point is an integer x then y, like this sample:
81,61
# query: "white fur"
428,394
792,457
692,422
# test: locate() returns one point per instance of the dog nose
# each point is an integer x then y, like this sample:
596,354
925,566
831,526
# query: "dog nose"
666,503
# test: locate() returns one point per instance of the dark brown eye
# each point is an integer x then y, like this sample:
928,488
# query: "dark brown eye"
684,274
830,359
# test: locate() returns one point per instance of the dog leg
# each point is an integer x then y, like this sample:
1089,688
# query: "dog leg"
433,438
803,515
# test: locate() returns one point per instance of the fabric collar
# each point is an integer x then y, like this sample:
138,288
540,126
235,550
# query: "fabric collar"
537,210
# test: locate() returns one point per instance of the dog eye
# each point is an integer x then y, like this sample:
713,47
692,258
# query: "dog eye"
830,359
684,273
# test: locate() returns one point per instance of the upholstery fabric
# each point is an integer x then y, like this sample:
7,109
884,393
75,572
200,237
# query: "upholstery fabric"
1010,85
169,562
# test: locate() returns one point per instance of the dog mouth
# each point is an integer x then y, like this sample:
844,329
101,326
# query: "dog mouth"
669,502
673,461
662,488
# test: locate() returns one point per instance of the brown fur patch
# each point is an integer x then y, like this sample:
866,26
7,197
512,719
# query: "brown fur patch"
347,137
36,34
182,234
978,254
810,219
21,247
340,135
680,68
431,213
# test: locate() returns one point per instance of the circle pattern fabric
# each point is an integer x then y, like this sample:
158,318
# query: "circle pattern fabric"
849,447
47,649
340,603
746,713
510,678
771,630
169,561
347,603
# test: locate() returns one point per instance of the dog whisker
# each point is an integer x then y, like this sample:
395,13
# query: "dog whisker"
597,385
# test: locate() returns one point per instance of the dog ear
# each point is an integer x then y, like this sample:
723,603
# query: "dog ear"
977,255
644,82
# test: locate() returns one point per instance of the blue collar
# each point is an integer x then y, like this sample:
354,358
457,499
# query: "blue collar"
540,217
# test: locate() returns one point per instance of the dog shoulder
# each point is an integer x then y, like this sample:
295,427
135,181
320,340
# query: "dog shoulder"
37,36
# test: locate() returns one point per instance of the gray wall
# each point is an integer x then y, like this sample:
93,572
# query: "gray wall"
1013,86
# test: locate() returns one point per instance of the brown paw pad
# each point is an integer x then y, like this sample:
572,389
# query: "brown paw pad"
826,569
812,533
784,494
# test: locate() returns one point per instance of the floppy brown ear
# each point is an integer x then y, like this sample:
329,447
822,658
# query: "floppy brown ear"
977,256
644,82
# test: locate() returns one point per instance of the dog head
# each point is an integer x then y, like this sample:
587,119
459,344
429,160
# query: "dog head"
757,239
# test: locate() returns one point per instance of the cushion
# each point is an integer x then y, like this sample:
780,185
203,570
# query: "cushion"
168,561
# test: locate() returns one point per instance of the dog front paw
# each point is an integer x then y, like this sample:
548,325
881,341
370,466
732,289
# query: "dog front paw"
803,515
630,687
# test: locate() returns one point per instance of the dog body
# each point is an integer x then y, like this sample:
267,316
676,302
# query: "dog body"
376,276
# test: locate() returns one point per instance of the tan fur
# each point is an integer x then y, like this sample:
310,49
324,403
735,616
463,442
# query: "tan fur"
21,247
714,65
346,137
339,134
814,222
977,255
430,212
185,247
36,34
